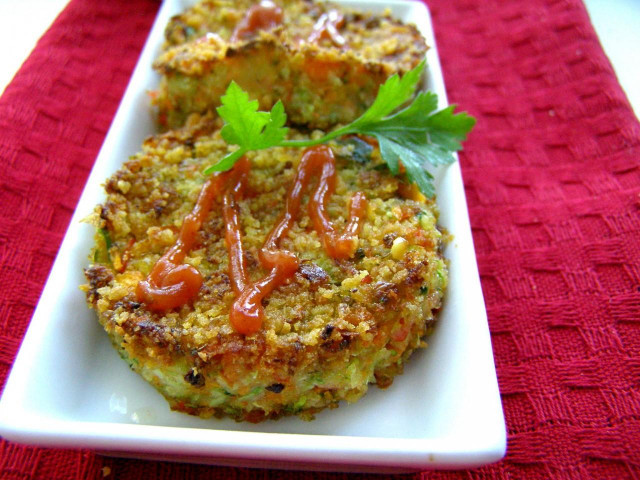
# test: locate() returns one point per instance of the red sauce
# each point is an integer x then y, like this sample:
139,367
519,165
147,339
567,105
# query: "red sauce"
247,312
171,283
263,16
327,27
126,255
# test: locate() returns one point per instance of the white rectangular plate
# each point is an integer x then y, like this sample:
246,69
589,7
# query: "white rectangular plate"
69,388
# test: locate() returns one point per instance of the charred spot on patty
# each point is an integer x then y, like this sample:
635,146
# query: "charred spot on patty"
388,239
386,292
315,274
327,331
99,276
275,387
194,378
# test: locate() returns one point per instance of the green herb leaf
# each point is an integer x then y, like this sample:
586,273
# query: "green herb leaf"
394,92
247,127
447,130
415,136
243,120
394,153
274,131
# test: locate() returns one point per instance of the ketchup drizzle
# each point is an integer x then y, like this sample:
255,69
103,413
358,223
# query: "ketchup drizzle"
171,283
263,16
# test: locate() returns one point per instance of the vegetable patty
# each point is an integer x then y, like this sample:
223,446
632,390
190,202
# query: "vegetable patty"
325,62
331,329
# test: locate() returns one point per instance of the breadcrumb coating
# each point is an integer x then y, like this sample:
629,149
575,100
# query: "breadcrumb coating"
321,79
329,332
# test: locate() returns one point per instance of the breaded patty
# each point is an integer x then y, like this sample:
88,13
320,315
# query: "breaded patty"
328,332
325,62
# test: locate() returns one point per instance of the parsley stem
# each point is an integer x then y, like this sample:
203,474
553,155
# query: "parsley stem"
300,143
310,143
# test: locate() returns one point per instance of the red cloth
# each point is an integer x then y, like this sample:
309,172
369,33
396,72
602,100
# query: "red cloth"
552,178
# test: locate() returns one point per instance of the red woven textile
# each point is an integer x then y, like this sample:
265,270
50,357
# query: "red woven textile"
552,175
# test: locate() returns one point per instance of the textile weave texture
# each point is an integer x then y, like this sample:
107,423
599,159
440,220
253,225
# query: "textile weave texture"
552,178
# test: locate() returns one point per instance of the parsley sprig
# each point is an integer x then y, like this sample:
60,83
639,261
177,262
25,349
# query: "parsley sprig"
414,136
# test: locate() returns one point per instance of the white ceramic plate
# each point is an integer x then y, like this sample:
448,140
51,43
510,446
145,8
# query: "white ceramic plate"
69,388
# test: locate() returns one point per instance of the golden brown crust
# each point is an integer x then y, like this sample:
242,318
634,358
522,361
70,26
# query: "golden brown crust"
369,39
320,82
332,329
